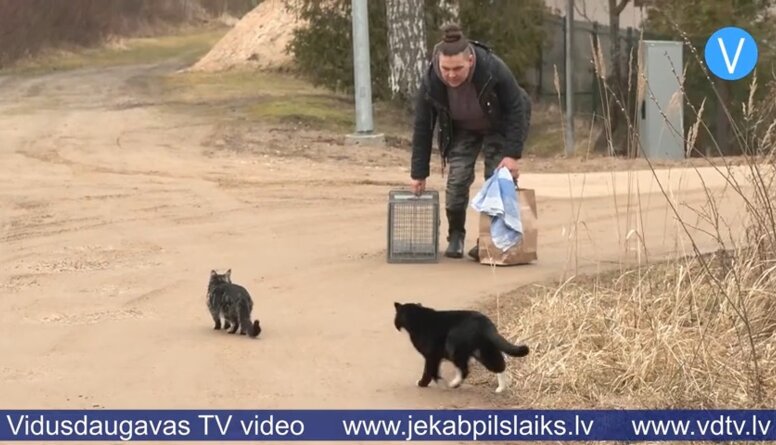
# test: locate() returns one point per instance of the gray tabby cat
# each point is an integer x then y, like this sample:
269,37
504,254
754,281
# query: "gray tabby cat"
233,302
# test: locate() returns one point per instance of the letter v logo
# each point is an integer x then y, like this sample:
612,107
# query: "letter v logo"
730,66
718,53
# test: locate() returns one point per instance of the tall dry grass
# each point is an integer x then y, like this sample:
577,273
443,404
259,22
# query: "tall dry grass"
696,329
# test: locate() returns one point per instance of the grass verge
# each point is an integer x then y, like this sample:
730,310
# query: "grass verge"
660,336
246,95
186,46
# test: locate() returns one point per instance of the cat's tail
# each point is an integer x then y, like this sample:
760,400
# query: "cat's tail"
254,329
505,346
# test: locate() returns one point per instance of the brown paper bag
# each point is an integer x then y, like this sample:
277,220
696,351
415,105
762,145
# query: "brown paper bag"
523,252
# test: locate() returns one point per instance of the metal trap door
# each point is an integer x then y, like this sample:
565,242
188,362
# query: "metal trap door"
413,227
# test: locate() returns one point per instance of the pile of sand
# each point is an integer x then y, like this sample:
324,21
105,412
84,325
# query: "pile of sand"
258,40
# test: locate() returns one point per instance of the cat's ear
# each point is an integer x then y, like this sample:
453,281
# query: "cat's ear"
229,273
213,273
397,305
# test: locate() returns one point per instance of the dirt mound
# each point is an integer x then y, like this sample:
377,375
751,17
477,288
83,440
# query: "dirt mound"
259,40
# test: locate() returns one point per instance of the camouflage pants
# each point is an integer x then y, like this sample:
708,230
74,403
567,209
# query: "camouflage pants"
462,159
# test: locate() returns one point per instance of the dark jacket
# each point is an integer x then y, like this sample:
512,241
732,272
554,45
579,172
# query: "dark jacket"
504,101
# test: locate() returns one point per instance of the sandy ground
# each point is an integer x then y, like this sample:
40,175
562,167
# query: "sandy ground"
258,39
112,215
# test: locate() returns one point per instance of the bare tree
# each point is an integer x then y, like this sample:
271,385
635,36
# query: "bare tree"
615,9
406,47
617,95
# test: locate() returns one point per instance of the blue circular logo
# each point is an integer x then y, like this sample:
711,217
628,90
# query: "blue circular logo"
731,53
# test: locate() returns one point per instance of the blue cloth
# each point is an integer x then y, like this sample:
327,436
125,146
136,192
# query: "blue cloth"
498,198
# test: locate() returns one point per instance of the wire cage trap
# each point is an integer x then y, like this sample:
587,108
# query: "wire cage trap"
413,227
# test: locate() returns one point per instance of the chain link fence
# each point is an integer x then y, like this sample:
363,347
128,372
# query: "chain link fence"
552,58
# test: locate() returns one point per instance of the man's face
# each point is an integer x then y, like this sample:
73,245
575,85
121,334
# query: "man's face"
455,69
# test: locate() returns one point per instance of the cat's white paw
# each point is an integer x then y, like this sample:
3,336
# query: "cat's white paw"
502,382
456,382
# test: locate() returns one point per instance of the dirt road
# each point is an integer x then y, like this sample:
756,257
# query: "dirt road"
113,213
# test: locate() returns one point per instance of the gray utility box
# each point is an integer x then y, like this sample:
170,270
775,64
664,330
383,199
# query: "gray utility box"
413,227
661,102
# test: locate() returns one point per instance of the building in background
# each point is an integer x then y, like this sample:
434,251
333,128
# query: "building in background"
598,11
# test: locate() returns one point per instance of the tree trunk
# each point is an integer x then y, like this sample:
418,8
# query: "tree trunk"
406,47
615,81
614,35
614,94
722,122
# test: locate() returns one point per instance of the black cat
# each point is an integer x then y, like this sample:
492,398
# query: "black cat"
456,336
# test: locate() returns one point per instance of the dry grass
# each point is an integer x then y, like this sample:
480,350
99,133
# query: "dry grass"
697,331
546,138
660,336
246,96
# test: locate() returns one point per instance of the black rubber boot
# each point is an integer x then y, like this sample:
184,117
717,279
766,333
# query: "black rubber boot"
456,221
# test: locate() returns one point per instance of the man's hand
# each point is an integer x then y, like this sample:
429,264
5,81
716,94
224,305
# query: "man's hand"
418,186
511,165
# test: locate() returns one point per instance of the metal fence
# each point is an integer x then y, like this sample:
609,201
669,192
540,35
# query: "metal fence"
552,58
